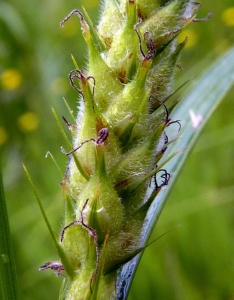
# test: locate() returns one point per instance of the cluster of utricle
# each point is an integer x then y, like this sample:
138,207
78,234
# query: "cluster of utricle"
119,137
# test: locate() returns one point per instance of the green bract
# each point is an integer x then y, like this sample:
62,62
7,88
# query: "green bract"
119,138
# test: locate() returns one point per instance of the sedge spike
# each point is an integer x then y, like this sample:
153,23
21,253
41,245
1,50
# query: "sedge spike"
119,137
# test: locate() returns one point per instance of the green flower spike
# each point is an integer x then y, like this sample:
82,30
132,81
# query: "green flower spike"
119,138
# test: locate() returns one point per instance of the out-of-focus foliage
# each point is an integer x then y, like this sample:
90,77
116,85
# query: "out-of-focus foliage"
193,262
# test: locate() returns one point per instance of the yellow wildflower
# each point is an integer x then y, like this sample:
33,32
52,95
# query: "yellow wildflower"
228,16
28,121
192,37
11,79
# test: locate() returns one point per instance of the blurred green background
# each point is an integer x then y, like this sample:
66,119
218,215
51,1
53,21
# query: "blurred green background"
195,261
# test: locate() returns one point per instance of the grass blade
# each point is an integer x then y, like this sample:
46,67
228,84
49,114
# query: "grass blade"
8,279
194,111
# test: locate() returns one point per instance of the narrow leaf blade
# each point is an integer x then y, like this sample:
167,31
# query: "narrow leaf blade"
8,279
